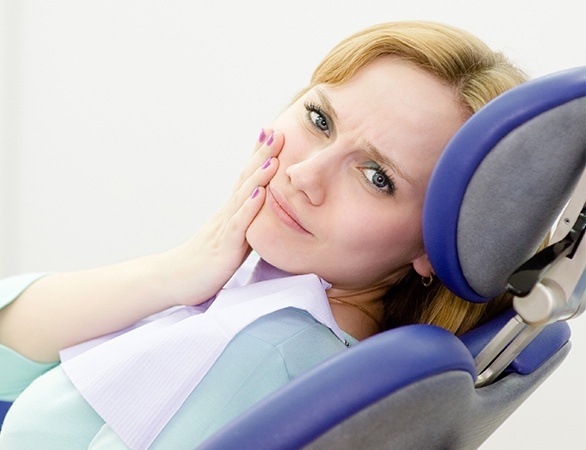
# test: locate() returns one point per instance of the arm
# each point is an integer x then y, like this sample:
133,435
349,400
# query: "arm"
65,309
16,372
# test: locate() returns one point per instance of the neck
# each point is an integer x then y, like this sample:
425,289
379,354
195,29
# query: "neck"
358,315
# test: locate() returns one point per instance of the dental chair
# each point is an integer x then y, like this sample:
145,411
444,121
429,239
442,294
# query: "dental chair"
515,169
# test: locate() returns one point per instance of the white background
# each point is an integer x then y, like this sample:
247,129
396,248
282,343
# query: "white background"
124,124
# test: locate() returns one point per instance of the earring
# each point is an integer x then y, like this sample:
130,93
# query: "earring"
427,281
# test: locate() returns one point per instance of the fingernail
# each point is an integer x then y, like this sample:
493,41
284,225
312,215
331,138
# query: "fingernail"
266,164
262,136
255,192
271,138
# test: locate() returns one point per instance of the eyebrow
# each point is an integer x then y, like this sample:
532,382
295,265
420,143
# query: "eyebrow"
370,148
325,102
388,161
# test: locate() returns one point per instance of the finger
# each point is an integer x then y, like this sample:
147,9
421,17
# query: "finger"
262,137
236,228
260,177
271,146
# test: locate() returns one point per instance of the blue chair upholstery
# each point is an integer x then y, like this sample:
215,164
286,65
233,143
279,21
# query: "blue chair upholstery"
413,387
4,407
377,394
345,385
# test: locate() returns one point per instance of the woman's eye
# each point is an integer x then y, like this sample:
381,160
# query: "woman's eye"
379,179
318,119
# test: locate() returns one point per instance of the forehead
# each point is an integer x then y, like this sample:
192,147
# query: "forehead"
397,106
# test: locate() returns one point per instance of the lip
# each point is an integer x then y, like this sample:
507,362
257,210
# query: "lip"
284,211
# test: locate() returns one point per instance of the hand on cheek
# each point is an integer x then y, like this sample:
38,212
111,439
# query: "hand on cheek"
207,261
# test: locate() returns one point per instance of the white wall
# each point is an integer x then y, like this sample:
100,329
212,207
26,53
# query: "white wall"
124,123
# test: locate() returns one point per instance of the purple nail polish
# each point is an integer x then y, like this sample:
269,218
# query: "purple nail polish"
270,139
262,136
255,192
266,164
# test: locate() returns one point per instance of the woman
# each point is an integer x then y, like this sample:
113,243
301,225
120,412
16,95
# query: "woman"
334,188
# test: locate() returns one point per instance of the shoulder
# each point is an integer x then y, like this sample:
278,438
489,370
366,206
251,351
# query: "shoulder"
259,360
293,337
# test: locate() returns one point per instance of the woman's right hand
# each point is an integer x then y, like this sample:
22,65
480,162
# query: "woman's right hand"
68,308
200,267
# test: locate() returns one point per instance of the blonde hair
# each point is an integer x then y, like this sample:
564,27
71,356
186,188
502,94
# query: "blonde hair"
477,74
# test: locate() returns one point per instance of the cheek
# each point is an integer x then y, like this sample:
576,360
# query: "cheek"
297,136
391,240
258,235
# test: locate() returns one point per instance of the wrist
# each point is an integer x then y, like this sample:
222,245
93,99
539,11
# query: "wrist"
178,274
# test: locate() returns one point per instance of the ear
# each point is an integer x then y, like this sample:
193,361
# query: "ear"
422,266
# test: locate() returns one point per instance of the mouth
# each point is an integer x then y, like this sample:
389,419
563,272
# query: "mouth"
284,211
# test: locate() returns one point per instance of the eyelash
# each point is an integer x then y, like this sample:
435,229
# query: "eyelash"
390,188
387,179
313,108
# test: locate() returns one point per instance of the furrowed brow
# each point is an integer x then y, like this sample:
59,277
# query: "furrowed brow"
394,165
376,154
326,103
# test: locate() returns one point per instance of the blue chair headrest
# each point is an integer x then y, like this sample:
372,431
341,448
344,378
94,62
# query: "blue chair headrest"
502,181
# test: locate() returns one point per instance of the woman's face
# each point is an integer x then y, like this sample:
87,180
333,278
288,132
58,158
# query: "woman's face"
346,202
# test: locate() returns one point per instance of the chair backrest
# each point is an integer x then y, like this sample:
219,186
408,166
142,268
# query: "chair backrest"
494,195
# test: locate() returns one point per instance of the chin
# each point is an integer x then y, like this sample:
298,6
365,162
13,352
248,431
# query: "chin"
264,243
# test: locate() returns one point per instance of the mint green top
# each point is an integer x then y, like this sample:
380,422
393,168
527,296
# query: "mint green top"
50,413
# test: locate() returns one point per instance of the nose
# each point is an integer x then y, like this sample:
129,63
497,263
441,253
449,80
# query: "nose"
310,176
